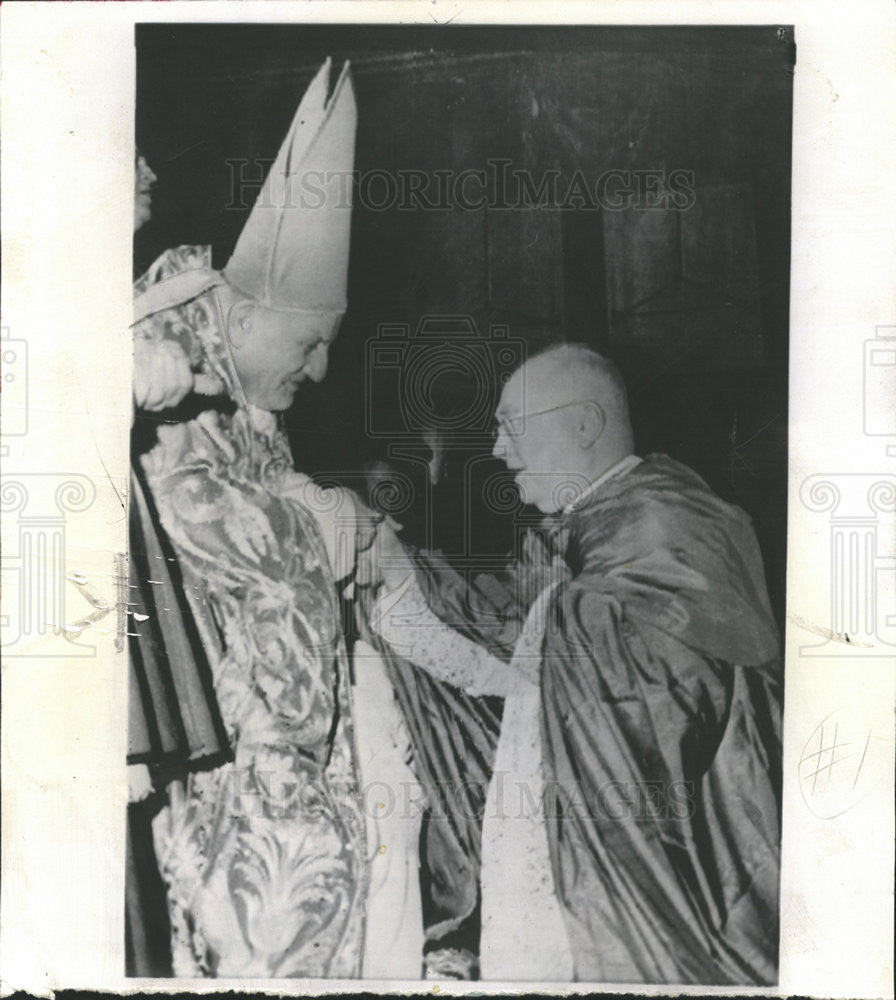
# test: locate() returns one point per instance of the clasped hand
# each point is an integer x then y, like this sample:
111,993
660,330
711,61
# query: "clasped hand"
162,375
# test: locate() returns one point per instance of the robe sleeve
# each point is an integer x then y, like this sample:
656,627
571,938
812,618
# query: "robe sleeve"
488,608
454,736
404,620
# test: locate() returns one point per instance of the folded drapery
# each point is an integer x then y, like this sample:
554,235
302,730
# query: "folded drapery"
173,715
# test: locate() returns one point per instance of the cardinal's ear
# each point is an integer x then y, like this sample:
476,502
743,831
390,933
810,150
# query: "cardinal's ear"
240,322
592,422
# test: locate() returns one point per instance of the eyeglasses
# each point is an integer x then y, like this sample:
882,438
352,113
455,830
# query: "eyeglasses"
515,426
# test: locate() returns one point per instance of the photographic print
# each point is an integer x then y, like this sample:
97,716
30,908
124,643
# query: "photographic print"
458,509
447,492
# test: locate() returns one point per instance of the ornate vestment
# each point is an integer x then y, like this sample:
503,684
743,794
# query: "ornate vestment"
264,857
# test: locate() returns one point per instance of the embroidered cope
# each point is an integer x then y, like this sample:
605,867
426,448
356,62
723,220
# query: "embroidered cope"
264,857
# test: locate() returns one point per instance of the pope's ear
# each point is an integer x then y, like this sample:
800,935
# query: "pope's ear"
239,323
591,424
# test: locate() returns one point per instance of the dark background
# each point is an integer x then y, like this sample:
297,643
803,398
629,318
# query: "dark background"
693,305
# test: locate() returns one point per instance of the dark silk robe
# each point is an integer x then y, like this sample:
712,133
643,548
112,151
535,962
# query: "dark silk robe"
660,727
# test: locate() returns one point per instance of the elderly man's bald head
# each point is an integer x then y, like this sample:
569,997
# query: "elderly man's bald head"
563,419
576,372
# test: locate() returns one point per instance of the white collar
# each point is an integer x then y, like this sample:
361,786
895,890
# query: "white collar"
621,468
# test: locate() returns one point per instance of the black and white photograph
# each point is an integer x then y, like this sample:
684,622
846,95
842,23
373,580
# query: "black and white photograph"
458,520
447,498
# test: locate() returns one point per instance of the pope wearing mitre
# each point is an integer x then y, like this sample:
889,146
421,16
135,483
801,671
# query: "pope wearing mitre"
264,856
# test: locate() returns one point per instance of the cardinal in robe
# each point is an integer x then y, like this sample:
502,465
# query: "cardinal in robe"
632,827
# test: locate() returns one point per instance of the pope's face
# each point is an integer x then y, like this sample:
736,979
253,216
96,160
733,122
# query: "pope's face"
282,350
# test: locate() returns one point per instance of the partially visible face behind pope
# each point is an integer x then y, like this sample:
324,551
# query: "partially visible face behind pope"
144,178
280,351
